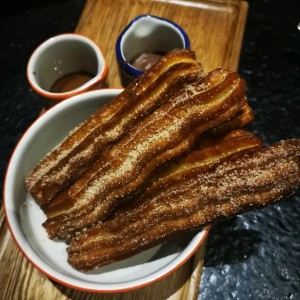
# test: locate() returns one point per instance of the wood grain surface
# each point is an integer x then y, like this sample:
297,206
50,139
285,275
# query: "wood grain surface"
215,29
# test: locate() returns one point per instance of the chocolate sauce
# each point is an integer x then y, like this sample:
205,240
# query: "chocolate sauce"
70,82
145,61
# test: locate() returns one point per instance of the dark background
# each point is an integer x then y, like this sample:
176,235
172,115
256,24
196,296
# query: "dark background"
253,256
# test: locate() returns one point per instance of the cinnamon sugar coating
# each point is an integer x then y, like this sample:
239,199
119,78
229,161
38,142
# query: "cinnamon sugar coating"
85,144
191,201
166,133
162,158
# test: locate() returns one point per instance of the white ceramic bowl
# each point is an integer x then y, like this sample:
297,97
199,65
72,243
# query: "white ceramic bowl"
25,217
61,55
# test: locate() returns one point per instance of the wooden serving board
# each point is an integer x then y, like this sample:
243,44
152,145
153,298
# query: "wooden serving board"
215,29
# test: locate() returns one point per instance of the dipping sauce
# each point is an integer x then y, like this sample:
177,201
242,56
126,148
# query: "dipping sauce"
146,60
70,82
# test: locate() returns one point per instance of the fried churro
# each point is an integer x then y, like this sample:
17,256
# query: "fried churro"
162,158
189,202
77,152
166,133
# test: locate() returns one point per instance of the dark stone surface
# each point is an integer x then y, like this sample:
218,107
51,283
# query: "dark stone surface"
255,255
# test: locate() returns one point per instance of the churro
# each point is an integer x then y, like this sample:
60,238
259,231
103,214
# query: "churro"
166,133
238,185
85,144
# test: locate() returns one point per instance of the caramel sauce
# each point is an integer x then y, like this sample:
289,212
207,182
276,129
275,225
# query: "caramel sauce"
144,61
70,82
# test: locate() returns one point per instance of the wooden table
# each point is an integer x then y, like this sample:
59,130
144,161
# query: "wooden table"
215,29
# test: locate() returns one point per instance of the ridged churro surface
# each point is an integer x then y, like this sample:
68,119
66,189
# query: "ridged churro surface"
75,155
240,184
166,133
165,157
210,152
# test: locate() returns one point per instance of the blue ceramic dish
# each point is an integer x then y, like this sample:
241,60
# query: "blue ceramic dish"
147,34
